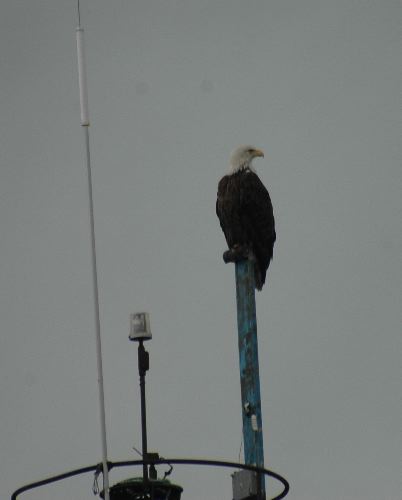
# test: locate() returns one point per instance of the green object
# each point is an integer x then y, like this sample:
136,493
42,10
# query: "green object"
135,489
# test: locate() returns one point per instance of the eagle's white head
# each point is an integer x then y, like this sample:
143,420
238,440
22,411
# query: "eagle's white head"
242,157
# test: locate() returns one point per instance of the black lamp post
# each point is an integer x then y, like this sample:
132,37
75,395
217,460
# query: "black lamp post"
140,331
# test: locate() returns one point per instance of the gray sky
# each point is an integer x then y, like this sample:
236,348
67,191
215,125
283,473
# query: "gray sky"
174,86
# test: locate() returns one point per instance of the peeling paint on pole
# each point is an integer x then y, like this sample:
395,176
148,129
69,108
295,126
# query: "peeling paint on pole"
249,370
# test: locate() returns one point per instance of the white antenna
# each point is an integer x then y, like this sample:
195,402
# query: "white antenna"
85,124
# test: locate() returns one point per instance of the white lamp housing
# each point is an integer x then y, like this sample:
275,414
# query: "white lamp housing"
140,327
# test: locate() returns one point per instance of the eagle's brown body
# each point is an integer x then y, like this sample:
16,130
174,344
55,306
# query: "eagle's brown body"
246,216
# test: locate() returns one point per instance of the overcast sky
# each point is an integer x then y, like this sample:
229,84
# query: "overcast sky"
174,86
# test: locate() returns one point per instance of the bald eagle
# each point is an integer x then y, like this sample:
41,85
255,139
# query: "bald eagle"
245,213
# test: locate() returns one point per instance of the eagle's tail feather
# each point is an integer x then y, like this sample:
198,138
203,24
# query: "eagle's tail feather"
259,277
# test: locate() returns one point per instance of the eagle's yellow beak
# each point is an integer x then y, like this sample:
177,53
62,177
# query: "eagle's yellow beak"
258,153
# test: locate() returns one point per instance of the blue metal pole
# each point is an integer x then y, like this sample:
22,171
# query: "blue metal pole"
249,371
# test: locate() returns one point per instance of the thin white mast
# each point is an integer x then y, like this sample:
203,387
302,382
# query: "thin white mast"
85,126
